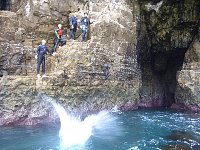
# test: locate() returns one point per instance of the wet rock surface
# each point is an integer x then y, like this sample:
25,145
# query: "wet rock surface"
19,104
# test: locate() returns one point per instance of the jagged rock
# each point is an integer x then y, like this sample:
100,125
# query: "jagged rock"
19,35
188,89
84,76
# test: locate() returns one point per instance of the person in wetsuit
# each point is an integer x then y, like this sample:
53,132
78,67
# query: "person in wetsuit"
42,50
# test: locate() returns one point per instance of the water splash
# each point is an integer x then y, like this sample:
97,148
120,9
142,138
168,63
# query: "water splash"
75,133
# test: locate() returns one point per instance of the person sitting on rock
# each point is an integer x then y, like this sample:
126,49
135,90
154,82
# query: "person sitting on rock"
58,39
84,25
42,50
73,26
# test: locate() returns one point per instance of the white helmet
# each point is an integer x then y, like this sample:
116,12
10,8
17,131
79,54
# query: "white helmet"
59,25
43,42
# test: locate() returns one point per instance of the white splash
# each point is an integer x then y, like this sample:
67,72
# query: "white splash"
76,132
72,131
154,7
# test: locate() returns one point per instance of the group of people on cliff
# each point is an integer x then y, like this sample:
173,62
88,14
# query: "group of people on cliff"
73,23
42,49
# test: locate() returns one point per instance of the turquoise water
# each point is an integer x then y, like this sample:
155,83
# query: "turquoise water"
144,129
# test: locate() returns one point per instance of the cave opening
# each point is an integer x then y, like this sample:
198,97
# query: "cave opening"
5,5
164,66
162,42
158,72
159,64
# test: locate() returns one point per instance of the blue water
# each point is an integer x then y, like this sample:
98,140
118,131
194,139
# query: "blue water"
144,129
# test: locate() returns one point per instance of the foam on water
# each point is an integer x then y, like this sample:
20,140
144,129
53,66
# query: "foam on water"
169,129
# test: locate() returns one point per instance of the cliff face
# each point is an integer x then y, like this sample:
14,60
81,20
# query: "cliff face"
133,57
23,29
167,30
85,77
187,91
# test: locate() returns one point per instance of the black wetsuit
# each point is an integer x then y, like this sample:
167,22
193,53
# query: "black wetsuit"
41,52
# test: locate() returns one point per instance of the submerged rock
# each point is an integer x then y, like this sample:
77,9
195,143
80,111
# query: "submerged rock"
176,147
181,140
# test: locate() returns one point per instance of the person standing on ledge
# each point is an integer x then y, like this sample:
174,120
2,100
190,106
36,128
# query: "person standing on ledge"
59,33
84,25
42,50
73,26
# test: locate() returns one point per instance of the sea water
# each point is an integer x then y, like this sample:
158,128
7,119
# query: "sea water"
144,129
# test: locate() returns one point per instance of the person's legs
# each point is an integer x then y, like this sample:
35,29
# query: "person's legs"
74,31
83,35
38,68
43,65
56,45
71,34
3,5
86,33
39,61
62,42
59,42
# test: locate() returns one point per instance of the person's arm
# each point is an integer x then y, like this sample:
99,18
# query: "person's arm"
38,50
48,52
56,32
70,21
81,23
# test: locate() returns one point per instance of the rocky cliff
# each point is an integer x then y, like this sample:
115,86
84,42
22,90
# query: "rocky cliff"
167,31
187,91
138,54
85,77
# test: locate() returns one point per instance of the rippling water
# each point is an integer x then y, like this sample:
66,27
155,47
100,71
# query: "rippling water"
144,129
